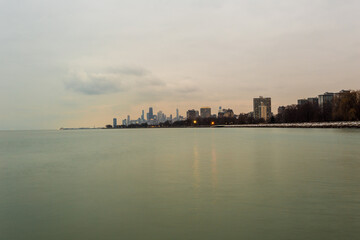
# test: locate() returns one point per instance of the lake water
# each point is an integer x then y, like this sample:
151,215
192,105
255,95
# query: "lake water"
180,184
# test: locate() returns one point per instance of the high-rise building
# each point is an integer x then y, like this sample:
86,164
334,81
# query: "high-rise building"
151,113
177,114
114,122
263,111
314,100
128,120
143,115
302,101
191,114
326,98
161,117
205,112
229,113
262,107
124,122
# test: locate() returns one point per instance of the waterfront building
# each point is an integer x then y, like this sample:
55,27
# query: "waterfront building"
228,113
128,120
302,101
342,92
177,114
263,111
262,107
326,98
192,114
124,122
314,101
114,122
205,112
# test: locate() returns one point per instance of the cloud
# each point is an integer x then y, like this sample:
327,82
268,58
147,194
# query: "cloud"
91,84
111,80
134,71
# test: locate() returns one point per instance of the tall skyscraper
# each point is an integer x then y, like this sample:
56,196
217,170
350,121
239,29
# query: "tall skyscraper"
128,120
177,114
161,117
262,108
114,122
205,112
143,115
151,113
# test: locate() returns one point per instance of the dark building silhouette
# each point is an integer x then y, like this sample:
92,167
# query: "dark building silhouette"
192,114
205,112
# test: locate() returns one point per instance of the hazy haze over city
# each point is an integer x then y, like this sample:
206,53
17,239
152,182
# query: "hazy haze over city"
82,62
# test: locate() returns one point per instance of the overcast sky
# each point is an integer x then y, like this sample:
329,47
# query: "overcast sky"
82,62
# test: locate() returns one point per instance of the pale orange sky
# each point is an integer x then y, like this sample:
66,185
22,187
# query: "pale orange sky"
81,63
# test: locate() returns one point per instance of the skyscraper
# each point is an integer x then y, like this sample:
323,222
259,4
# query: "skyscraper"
191,114
128,120
161,117
262,108
143,115
205,112
151,113
114,122
177,114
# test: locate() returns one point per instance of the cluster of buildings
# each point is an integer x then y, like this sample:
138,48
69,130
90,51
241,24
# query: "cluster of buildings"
150,119
261,110
321,100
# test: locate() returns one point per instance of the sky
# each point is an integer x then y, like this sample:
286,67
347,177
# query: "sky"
80,63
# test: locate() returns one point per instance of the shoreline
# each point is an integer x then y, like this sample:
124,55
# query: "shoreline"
297,125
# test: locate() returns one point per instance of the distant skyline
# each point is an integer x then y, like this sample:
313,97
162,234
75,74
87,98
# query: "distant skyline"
81,63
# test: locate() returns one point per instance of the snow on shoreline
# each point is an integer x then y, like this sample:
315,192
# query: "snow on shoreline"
300,125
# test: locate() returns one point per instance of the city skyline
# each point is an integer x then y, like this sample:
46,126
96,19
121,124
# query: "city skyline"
261,109
78,63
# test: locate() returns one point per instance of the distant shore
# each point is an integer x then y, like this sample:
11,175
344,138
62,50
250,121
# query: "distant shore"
298,125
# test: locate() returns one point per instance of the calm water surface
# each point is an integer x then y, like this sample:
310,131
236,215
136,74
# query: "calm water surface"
180,184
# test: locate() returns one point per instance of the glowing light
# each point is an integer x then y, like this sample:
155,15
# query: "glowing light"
212,123
195,121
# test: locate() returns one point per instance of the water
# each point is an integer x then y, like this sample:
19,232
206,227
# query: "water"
180,184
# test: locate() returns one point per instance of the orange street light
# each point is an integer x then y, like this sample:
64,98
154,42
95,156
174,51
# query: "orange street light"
212,123
195,121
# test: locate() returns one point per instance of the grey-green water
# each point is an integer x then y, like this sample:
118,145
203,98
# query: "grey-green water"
180,184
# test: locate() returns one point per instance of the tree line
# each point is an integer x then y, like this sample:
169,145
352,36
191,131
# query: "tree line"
343,107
